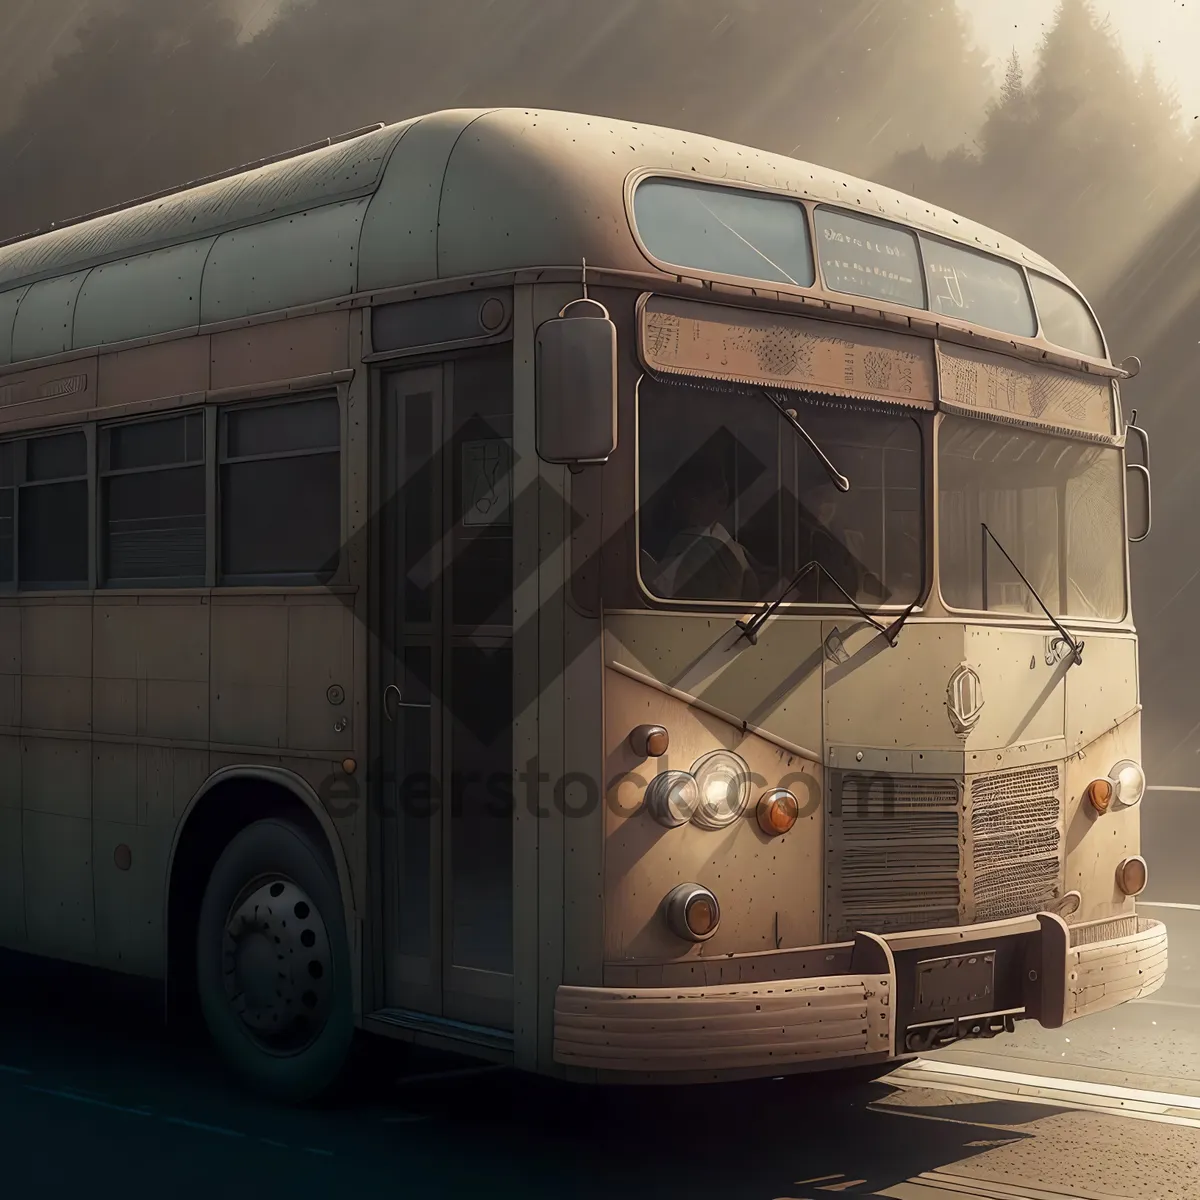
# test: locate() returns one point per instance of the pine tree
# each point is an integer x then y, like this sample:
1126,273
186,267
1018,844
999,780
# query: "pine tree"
1014,80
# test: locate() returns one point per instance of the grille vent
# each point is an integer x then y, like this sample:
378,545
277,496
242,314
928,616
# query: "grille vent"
893,847
1016,842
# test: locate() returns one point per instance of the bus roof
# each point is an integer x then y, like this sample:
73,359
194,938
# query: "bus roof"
446,195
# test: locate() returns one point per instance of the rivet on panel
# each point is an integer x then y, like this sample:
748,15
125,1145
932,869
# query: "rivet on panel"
123,857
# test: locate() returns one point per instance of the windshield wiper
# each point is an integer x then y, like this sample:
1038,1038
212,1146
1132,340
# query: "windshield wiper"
1076,646
750,629
789,415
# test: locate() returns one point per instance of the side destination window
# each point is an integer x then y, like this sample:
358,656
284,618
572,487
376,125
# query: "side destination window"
52,510
279,491
153,496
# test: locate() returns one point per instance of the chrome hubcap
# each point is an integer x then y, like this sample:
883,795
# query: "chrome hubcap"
276,965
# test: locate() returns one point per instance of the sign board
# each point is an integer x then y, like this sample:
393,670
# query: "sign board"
688,337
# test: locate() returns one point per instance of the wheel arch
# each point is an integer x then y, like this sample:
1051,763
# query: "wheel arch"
203,831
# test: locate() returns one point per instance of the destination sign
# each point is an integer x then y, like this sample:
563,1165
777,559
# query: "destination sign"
869,258
688,337
983,384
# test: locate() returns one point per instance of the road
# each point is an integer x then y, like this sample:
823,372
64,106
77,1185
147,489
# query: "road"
94,1095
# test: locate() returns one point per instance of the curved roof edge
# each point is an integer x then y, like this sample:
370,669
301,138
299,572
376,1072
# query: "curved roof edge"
448,194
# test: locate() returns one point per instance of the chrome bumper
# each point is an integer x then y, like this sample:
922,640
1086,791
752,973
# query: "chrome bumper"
1052,972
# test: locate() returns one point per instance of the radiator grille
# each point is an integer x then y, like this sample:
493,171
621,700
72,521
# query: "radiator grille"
1016,842
893,847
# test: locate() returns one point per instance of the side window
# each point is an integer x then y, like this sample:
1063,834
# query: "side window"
279,488
52,510
8,507
152,530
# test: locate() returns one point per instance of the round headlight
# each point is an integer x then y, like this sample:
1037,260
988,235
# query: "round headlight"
1133,875
723,781
777,812
1129,782
692,912
672,798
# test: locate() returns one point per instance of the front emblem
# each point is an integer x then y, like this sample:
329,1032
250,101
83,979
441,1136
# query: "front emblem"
964,699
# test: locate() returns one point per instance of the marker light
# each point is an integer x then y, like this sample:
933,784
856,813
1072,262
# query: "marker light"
649,741
1133,875
691,912
777,812
723,780
1129,782
672,798
1100,793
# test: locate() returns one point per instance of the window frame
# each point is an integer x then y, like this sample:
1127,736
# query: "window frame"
17,585
921,418
212,411
809,206
104,471
220,459
1038,617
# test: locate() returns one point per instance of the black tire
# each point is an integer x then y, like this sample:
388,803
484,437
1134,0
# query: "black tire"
276,997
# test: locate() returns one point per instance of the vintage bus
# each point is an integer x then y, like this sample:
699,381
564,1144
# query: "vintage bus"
617,603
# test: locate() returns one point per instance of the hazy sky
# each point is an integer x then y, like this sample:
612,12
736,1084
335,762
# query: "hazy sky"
1167,30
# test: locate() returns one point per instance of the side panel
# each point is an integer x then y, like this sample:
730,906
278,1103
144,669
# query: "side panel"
46,318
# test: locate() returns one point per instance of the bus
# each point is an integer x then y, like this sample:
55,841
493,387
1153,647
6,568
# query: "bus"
608,601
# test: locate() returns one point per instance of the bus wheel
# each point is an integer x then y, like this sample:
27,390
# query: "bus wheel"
273,963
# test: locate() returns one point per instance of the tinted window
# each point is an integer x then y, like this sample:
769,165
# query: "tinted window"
7,505
1066,320
724,231
976,287
869,258
280,491
60,456
53,531
154,502
52,510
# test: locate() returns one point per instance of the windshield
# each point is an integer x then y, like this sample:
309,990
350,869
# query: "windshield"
1054,504
732,501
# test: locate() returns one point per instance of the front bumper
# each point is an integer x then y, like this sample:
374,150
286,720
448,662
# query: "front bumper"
901,993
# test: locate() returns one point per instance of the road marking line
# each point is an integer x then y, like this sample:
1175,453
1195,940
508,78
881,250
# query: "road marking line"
15,1070
205,1128
137,1112
1049,1091
1166,787
1051,1082
1167,904
1168,1003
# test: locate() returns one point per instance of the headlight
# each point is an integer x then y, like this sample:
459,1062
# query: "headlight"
691,912
723,781
672,798
1129,782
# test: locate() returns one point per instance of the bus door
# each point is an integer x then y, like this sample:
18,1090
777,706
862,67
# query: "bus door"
445,688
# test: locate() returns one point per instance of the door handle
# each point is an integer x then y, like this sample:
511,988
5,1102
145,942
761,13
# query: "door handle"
400,702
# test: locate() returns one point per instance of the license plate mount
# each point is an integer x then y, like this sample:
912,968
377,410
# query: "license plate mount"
961,985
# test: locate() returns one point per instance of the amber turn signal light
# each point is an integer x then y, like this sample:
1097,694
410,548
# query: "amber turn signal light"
649,741
777,812
1133,875
1100,793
